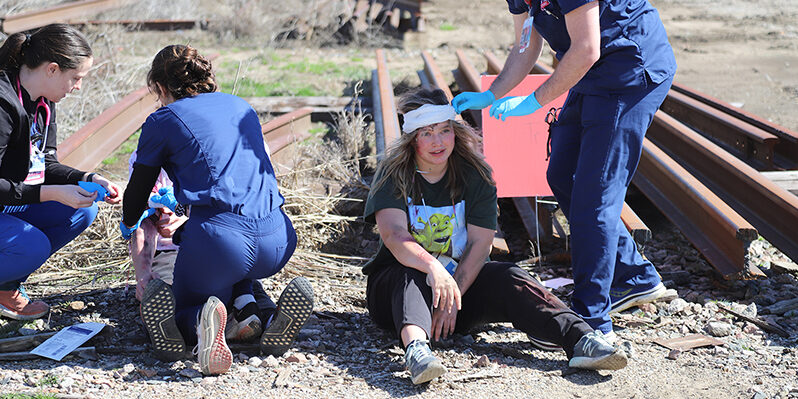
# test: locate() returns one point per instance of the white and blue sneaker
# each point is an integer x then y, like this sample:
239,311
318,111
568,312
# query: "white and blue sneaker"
421,363
625,299
593,352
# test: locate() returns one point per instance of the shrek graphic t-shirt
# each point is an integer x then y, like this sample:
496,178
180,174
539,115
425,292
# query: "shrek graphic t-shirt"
435,221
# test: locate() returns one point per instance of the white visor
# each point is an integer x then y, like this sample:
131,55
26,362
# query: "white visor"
427,114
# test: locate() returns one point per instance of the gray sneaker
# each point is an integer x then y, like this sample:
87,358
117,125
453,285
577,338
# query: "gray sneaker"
421,363
593,352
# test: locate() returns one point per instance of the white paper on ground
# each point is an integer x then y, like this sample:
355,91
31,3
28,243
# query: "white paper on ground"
67,340
558,282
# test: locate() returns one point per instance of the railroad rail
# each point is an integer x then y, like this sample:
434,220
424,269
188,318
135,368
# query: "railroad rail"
152,24
786,150
767,206
60,13
281,133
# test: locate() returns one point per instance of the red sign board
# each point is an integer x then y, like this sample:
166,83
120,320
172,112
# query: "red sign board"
516,148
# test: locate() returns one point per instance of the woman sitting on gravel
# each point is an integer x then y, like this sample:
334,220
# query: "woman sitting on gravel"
434,202
42,206
211,147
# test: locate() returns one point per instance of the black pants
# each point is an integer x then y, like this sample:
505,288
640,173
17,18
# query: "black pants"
502,292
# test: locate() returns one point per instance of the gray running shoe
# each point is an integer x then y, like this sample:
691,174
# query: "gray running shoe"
293,310
158,313
593,352
625,299
421,363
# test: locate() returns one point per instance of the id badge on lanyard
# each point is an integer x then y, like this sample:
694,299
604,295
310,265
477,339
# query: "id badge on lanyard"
37,165
526,33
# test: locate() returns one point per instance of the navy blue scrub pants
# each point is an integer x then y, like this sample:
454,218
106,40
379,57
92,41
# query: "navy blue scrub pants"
595,148
29,237
221,253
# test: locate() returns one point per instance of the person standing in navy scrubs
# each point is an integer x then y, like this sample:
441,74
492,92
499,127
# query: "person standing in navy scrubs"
42,207
617,66
211,147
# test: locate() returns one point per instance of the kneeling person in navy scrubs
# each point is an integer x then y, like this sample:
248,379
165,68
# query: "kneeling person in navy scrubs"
210,145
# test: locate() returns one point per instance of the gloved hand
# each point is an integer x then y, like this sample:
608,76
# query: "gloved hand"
127,232
94,187
514,106
472,100
166,197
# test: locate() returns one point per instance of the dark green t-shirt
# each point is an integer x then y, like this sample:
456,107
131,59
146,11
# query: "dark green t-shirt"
436,222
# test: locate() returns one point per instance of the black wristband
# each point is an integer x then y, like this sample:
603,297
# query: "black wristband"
90,177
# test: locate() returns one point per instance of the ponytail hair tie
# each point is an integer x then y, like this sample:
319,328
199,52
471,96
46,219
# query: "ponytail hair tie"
26,43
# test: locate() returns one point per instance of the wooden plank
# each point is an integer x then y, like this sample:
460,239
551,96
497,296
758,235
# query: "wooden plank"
60,13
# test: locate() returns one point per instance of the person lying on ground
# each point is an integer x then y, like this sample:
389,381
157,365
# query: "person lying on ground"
210,145
153,255
434,202
43,203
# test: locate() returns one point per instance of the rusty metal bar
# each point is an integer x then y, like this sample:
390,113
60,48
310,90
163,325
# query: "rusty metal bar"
718,232
389,128
636,227
154,24
60,13
786,150
750,142
282,133
90,145
495,65
767,206
434,74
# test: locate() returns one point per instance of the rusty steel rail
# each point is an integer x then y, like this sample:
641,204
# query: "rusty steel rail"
282,133
495,65
636,227
386,120
716,230
434,75
749,142
786,150
153,24
61,13
90,145
768,207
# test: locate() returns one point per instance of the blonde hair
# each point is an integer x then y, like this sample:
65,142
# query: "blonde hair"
399,162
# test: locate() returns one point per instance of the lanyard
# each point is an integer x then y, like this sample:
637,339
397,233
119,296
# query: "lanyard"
39,104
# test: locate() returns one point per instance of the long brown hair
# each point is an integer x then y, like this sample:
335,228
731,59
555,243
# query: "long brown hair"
58,43
399,162
182,72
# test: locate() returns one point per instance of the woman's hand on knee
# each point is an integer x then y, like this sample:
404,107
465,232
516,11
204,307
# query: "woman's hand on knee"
445,292
67,194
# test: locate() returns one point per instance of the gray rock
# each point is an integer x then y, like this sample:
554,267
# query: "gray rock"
627,347
677,305
719,328
67,382
190,373
271,362
255,361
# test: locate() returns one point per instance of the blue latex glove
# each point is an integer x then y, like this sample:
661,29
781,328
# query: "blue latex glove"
127,232
472,100
165,196
514,106
94,187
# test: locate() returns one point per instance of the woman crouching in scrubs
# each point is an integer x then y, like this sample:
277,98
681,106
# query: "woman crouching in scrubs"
211,147
434,202
42,208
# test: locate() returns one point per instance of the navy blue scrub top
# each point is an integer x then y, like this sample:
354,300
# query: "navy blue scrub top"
633,42
212,148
